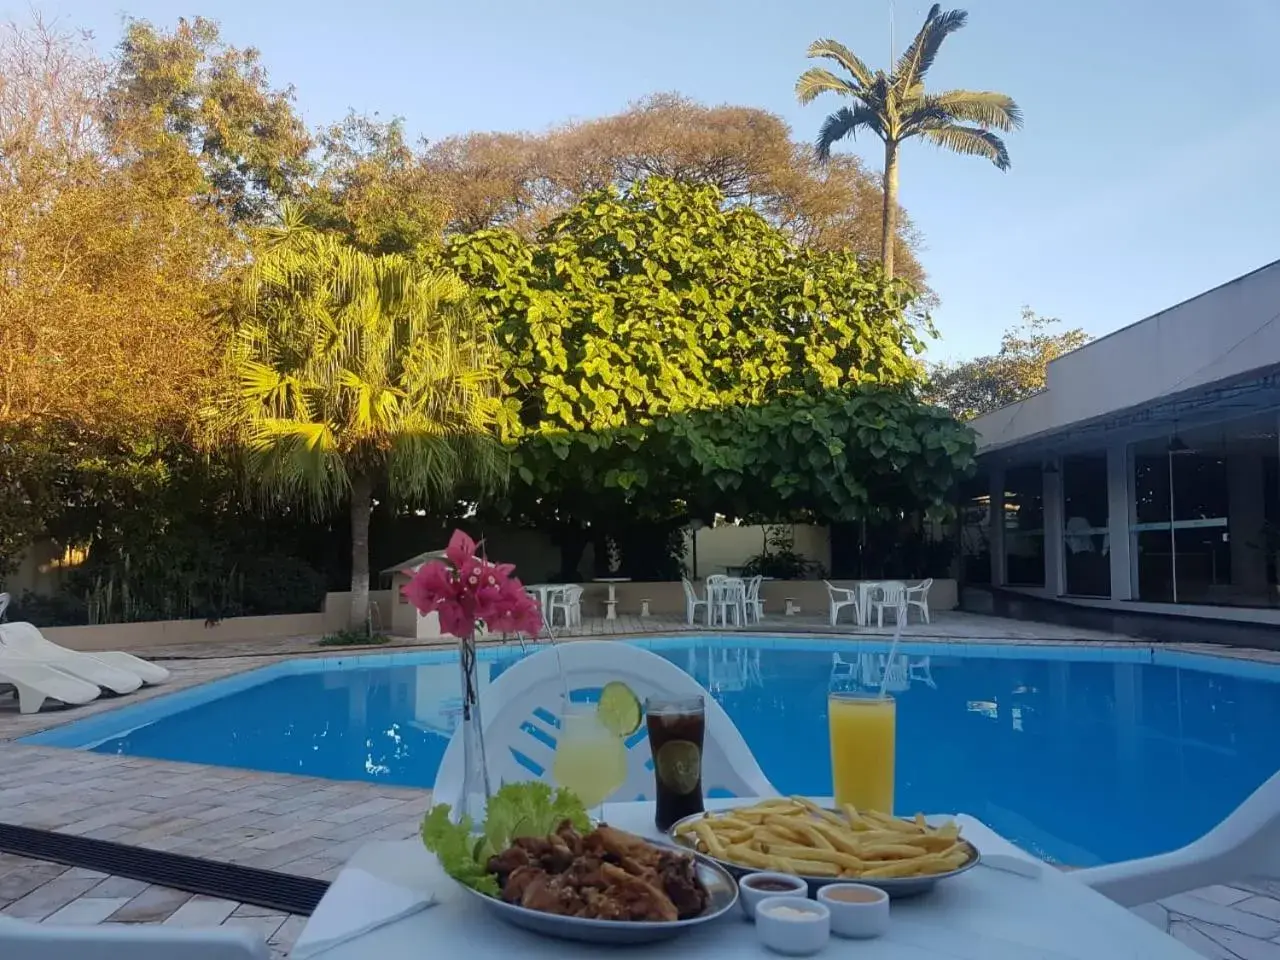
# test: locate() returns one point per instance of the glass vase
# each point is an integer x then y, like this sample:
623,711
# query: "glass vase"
475,778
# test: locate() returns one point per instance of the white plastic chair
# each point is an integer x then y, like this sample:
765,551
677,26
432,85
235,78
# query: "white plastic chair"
692,603
567,602
4,604
728,596
918,596
1245,844
520,706
26,640
754,605
30,941
890,595
840,597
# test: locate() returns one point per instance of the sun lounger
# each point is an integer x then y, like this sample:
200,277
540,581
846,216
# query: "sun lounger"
37,682
26,640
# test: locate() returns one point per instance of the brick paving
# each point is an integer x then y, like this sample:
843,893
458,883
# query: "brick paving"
309,826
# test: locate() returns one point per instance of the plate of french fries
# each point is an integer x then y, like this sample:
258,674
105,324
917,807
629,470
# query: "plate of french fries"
795,835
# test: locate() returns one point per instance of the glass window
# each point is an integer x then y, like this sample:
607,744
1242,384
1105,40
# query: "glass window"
975,529
1024,526
1207,514
1086,538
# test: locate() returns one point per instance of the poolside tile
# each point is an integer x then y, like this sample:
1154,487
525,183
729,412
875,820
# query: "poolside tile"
368,808
264,926
1221,895
152,905
278,857
86,911
201,911
1197,941
1240,945
118,887
253,910
18,883
48,898
81,873
1211,913
288,933
1154,914
1262,906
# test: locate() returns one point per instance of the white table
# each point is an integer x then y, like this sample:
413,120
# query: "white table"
864,598
611,605
984,914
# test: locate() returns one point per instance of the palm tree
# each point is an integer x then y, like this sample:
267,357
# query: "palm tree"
896,107
348,370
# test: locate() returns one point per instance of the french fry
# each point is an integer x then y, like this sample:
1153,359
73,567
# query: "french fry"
795,835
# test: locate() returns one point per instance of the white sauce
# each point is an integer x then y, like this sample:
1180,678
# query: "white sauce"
791,913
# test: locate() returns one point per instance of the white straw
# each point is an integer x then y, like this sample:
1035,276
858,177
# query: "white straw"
893,650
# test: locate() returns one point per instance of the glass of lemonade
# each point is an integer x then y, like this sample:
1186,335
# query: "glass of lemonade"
590,759
863,727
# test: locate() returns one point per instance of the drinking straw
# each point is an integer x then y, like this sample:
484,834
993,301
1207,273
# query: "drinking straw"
893,650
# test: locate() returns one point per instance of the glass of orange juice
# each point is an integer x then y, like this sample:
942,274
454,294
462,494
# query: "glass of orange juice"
863,727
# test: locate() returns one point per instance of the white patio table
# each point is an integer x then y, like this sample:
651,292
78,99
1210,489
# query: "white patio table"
985,914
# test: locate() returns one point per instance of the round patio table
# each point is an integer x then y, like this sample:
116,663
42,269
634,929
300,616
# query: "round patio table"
611,605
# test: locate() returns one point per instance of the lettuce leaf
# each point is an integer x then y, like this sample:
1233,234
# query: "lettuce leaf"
526,809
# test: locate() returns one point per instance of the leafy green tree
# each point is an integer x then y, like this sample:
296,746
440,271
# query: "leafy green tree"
185,93
350,371
971,388
896,107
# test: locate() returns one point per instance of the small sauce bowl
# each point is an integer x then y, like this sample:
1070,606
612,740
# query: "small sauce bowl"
795,926
857,910
755,887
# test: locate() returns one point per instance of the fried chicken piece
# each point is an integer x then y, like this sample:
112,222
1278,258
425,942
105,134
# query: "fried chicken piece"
636,899
518,880
680,882
550,894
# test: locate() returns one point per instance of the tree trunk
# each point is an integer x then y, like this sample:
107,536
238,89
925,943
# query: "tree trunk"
361,508
889,213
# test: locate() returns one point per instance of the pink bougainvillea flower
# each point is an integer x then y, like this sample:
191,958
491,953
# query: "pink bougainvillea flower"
470,591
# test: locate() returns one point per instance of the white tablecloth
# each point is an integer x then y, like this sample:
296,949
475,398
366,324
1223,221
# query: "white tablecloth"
984,914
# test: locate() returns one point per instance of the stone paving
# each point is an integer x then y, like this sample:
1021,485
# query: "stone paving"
309,826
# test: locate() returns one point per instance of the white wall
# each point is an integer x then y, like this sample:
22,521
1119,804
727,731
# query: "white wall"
1224,333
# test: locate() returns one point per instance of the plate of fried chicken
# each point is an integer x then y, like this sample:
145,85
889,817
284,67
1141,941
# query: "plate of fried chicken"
606,886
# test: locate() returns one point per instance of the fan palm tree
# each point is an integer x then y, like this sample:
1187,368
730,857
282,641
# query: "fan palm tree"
348,370
896,107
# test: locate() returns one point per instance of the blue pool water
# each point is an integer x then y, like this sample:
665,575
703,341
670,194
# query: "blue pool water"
1082,755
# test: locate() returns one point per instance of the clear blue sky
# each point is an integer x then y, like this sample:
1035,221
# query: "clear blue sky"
1147,171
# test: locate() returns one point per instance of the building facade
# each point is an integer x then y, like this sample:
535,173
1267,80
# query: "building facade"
1148,469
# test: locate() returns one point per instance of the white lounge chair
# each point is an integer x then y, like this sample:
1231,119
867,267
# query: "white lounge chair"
890,595
30,941
918,596
1245,844
26,640
36,682
692,603
87,669
840,597
522,698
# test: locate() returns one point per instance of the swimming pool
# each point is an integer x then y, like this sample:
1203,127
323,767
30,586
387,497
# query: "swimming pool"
1085,755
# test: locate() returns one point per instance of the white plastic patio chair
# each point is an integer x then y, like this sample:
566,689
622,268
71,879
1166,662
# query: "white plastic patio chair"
889,595
1245,844
4,605
692,603
31,941
567,602
840,597
729,595
520,708
35,682
26,640
918,596
754,605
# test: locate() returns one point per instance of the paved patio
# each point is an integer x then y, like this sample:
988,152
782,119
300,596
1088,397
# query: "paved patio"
309,827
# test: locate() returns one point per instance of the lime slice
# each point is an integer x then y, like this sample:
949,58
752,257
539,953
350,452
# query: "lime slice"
619,709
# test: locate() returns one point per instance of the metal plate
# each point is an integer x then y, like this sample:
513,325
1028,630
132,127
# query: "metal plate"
895,887
722,890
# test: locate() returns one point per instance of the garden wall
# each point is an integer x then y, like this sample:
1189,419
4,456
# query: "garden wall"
665,599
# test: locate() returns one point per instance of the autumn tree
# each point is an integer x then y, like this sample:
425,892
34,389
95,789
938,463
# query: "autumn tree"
971,388
524,181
